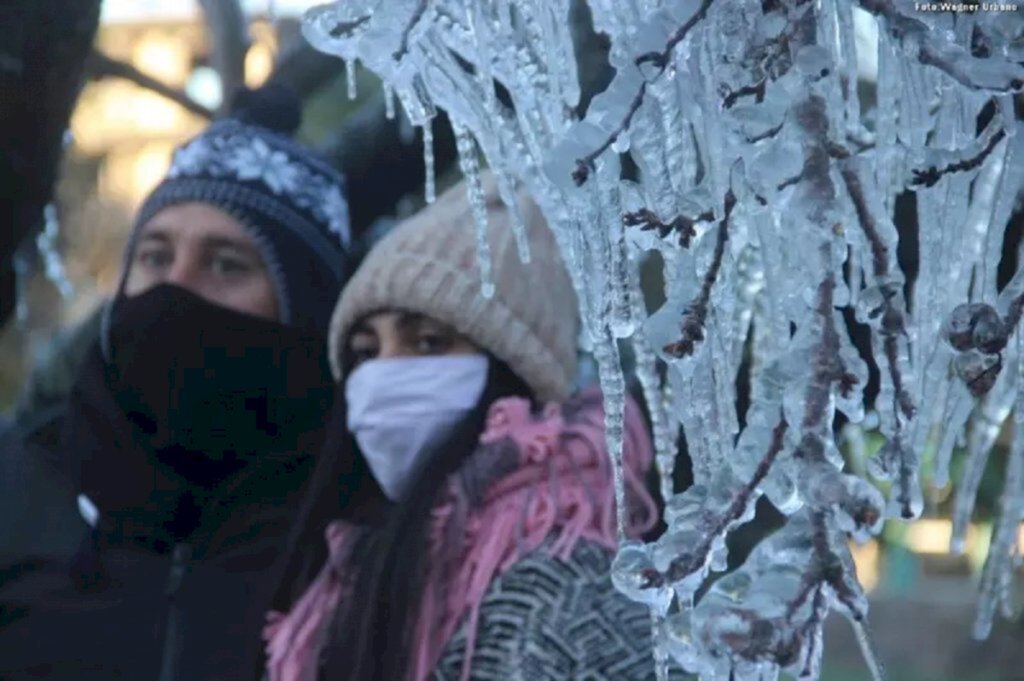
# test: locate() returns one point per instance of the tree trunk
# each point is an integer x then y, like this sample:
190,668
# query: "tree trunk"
42,58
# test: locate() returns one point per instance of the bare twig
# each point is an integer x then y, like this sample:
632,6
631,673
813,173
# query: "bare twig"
660,60
343,28
585,164
893,323
682,225
691,562
101,66
929,176
403,47
693,322
904,27
229,36
757,90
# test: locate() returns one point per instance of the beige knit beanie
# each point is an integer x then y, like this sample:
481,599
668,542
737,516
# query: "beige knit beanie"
428,265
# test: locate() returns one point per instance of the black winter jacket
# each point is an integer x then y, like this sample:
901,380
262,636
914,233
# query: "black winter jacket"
78,604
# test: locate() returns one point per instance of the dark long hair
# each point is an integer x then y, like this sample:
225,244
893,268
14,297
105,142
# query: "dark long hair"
371,636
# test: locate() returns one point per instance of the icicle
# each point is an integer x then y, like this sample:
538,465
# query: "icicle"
22,273
470,168
389,102
658,648
984,433
350,78
994,583
868,650
613,388
53,266
519,231
428,160
957,412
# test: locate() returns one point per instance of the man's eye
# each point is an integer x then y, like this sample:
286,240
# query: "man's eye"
154,258
224,265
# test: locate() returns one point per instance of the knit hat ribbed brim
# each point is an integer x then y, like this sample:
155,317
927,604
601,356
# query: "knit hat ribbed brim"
428,265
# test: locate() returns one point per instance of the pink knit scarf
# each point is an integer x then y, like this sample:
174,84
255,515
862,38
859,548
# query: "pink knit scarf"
556,491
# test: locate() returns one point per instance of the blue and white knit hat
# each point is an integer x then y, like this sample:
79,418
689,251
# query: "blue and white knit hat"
290,201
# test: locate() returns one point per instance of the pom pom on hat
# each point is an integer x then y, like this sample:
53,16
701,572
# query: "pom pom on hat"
274,107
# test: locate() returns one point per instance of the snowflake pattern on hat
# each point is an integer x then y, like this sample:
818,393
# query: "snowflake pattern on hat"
248,158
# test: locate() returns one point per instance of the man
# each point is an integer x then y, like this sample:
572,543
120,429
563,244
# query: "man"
138,538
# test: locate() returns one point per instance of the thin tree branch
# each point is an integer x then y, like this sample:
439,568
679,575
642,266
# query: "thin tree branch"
693,322
682,225
691,562
931,52
929,176
893,323
660,60
585,164
99,66
403,47
229,37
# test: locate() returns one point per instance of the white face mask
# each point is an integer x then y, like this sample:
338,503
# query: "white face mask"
400,408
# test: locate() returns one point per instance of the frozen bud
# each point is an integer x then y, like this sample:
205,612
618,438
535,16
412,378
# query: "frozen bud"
877,305
858,506
990,333
634,576
975,325
978,371
684,555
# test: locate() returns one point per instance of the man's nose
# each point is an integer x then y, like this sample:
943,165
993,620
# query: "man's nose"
184,272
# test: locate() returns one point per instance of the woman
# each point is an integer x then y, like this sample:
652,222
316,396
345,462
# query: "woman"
478,542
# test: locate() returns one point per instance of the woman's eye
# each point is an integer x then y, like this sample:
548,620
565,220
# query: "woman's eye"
360,355
432,344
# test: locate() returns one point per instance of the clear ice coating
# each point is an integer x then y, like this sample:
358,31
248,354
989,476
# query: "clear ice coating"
768,190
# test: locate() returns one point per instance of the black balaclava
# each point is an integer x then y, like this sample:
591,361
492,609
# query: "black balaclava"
194,397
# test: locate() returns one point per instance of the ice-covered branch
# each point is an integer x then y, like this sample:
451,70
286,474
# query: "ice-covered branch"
929,176
933,48
756,90
757,98
682,225
696,558
661,59
693,323
585,164
892,323
417,15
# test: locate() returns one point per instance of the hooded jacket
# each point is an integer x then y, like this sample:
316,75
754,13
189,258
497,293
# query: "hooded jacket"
148,542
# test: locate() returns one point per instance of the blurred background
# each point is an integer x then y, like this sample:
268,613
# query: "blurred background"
156,73
152,73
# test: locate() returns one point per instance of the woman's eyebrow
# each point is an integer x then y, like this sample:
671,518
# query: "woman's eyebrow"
410,321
